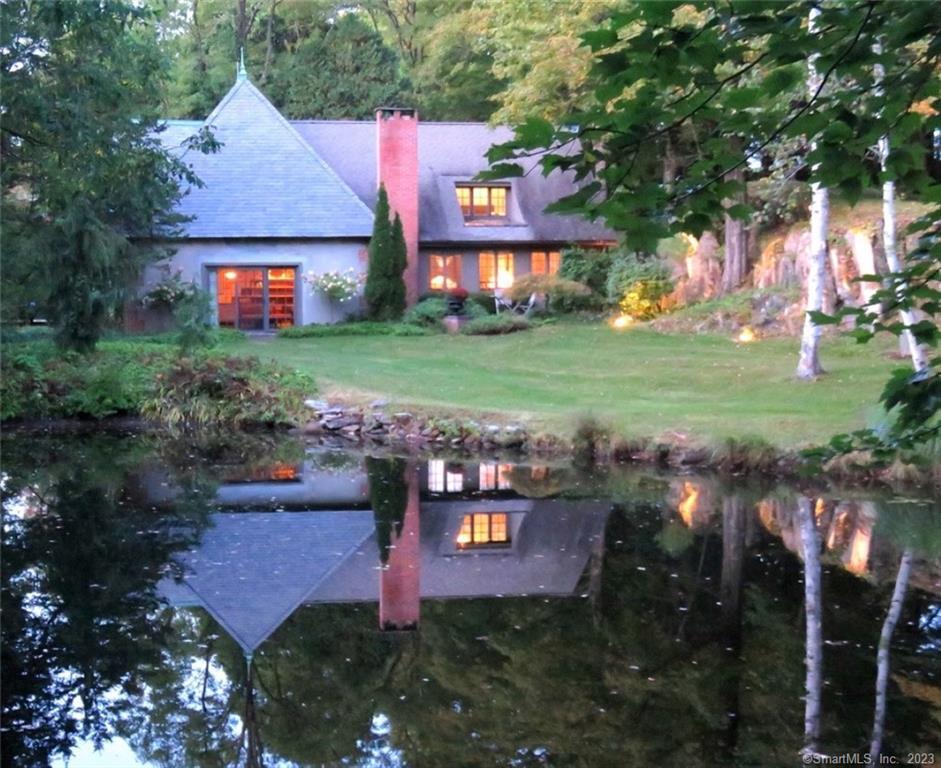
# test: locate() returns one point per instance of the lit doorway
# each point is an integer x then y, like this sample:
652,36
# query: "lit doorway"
255,298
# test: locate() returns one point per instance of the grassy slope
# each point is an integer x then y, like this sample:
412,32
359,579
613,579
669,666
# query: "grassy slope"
639,382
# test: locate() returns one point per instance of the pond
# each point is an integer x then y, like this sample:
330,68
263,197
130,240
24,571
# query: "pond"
258,601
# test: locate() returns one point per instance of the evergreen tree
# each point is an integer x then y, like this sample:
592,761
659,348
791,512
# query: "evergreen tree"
385,288
399,261
87,184
380,252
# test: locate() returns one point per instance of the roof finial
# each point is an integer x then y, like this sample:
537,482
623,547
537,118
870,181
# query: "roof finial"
240,73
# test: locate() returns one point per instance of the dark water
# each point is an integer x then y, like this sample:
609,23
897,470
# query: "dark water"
257,602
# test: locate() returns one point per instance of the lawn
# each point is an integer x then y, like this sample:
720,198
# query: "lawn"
641,383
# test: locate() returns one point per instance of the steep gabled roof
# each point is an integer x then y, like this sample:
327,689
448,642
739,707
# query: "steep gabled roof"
266,181
449,153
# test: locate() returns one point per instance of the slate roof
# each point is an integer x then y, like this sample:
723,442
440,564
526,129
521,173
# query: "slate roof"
317,178
266,181
449,153
252,570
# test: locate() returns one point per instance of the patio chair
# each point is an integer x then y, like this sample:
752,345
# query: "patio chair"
505,304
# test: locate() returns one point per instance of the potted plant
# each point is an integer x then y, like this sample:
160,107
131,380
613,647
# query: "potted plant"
456,299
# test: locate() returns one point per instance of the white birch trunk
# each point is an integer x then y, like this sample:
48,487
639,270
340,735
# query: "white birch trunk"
882,657
808,366
813,609
919,356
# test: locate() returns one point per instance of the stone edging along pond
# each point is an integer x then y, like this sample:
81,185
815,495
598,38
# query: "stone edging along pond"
377,425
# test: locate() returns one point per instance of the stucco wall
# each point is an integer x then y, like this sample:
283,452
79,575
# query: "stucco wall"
195,259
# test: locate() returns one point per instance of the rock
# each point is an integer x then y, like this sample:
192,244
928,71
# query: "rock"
379,403
402,417
313,427
339,422
317,405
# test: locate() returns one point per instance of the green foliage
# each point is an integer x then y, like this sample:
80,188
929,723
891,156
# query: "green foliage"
193,316
39,382
311,61
359,328
385,287
82,155
562,295
589,266
494,325
226,391
639,285
430,312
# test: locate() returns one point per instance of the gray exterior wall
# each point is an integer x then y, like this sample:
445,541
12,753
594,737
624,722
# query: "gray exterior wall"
196,259
470,273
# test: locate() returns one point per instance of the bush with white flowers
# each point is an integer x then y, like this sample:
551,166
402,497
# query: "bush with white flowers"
338,286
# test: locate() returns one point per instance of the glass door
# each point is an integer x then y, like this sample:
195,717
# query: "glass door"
241,298
280,297
257,299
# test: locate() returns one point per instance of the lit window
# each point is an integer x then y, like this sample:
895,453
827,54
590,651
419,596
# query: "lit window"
488,477
454,480
484,529
444,272
436,476
480,202
545,263
495,270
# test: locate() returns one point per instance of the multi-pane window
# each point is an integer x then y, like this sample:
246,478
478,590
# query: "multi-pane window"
545,263
495,270
480,202
444,272
444,479
484,529
494,477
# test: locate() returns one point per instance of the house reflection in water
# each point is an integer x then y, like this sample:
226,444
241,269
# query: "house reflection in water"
463,534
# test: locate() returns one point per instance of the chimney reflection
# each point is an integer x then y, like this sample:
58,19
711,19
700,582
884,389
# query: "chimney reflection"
400,576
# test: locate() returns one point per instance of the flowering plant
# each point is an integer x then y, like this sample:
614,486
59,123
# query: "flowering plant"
168,292
339,286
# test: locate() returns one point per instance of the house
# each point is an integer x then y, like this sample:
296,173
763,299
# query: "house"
284,198
278,544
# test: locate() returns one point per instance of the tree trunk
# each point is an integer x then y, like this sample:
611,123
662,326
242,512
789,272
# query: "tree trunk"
808,366
670,160
908,341
269,44
730,593
736,241
813,657
882,657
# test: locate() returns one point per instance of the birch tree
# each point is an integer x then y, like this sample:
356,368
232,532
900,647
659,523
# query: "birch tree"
813,610
808,365
889,243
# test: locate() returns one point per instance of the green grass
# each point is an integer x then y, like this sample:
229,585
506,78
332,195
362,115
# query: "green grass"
639,383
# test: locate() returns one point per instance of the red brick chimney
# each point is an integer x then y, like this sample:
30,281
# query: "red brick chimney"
400,577
397,158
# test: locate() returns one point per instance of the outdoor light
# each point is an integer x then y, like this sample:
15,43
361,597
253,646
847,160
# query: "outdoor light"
623,321
746,335
230,274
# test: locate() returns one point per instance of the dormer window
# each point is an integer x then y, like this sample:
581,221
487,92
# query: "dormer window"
484,529
482,204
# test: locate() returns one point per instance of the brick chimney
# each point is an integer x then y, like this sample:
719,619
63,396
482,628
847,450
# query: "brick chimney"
397,158
400,577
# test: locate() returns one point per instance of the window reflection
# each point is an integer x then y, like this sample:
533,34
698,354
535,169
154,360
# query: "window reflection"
443,478
484,529
495,477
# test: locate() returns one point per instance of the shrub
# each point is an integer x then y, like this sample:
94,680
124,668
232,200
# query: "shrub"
362,328
639,285
226,391
193,317
492,325
484,301
561,294
431,311
589,266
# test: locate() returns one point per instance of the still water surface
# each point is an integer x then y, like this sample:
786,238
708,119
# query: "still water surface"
262,602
